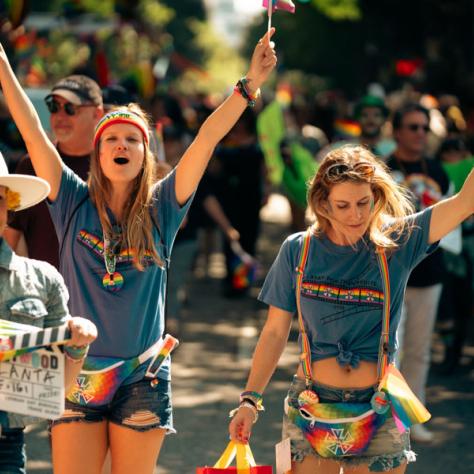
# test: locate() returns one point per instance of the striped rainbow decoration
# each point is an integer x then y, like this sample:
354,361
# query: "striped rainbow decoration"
345,128
17,339
407,410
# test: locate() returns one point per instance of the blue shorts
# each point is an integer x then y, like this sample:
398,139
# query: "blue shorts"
388,449
140,406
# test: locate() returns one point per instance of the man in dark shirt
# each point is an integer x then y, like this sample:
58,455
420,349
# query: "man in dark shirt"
428,184
75,104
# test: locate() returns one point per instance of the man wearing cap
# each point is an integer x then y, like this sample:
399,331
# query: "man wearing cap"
371,113
75,105
32,292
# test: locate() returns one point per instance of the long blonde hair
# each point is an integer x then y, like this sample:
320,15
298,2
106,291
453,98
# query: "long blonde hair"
391,202
137,224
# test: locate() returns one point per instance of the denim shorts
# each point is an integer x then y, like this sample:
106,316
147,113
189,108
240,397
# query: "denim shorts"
387,450
140,406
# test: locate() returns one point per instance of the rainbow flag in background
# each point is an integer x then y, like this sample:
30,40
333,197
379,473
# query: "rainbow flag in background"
286,5
345,128
407,410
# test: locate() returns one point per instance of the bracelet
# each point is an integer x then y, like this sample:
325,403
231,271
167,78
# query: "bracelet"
253,397
246,405
242,89
76,354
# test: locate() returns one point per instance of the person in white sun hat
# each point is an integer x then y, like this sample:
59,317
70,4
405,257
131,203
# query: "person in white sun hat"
32,292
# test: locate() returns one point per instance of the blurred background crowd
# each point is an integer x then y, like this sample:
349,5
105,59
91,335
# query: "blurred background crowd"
396,76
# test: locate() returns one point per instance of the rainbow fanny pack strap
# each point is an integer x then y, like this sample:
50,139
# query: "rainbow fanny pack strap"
101,377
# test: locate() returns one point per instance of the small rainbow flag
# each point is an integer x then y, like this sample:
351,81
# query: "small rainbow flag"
286,5
407,410
345,128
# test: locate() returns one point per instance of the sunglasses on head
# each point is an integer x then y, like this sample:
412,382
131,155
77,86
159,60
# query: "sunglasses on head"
342,170
414,127
54,107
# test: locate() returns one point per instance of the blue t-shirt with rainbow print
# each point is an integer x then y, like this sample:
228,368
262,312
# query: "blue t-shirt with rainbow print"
131,319
342,294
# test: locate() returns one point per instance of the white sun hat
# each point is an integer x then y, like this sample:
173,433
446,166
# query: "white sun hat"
31,189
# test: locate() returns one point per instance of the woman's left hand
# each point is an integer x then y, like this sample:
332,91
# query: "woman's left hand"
263,61
83,332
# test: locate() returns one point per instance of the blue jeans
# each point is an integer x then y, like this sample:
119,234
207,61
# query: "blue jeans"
388,449
140,406
12,448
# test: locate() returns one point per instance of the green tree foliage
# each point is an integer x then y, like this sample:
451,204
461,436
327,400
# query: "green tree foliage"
339,9
212,77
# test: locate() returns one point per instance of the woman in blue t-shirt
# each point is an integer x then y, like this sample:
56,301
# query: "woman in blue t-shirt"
116,234
358,209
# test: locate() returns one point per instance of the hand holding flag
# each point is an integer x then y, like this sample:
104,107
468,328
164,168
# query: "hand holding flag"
262,63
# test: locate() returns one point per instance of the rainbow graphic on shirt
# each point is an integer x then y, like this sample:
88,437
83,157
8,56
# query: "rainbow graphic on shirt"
342,295
96,245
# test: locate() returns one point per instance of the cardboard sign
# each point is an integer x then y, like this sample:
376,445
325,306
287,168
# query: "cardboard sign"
33,384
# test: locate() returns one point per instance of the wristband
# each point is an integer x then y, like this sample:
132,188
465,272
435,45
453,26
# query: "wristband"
246,405
76,354
253,397
242,89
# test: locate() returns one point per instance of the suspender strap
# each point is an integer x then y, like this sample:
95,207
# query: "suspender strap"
384,337
305,348
382,361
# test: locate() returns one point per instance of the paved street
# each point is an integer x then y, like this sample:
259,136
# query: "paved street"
210,367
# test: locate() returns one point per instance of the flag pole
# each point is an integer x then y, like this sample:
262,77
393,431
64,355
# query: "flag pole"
270,10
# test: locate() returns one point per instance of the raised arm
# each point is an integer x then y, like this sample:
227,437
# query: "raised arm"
43,154
271,343
194,161
448,214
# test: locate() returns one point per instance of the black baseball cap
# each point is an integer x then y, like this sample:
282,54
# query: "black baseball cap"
78,89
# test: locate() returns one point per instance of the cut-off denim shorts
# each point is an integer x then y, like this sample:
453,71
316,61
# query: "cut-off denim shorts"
140,406
387,450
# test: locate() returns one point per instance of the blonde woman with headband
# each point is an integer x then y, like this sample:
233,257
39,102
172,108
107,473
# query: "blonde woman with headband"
116,234
334,277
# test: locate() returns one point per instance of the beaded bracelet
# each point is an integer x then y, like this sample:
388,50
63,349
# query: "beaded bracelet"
75,353
242,89
246,405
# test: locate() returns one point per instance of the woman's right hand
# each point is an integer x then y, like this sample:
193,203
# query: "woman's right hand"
241,424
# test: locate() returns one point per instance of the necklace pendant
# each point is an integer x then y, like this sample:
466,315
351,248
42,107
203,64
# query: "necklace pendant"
112,281
307,397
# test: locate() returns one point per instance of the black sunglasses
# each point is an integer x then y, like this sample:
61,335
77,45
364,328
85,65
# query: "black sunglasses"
414,127
54,107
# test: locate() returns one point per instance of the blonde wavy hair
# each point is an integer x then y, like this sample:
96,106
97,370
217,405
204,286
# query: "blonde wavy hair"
391,202
137,224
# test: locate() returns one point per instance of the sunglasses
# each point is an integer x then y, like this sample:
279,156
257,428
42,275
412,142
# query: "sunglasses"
54,107
341,170
414,127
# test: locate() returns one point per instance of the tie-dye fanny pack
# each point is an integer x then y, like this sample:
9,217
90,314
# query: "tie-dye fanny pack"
346,429
101,377
337,429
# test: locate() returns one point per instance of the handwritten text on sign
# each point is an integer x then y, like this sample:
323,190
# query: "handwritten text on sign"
33,384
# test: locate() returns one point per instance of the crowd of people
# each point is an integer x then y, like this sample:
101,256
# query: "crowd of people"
125,220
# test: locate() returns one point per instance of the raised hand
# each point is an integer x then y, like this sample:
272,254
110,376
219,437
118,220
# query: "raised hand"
263,61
